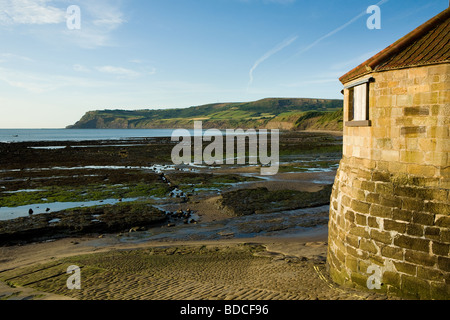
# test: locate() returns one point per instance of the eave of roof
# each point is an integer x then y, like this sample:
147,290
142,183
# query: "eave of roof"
425,45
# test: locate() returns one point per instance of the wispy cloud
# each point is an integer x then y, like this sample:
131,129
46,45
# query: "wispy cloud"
318,79
105,14
308,82
144,67
99,19
42,83
119,71
345,65
270,53
345,25
269,1
11,57
81,68
13,12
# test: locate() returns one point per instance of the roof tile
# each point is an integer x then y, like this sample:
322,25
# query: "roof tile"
427,44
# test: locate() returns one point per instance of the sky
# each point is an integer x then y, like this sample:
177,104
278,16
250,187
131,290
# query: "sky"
55,65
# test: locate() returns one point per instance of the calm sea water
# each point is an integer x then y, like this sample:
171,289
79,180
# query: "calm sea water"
23,135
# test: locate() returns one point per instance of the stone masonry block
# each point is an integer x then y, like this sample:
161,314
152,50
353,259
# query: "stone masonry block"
439,248
423,218
392,252
416,288
444,263
432,233
352,240
440,291
404,267
357,253
359,206
414,229
435,194
445,236
416,111
359,232
381,176
372,222
384,237
429,274
380,211
413,243
438,208
442,221
403,215
368,246
361,219
390,201
426,98
391,278
420,258
384,188
412,204
391,225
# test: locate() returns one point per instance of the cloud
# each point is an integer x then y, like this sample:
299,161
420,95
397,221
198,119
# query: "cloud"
38,83
99,19
350,64
270,1
11,56
104,14
30,12
119,71
151,71
321,78
270,53
345,25
308,82
28,81
280,1
81,68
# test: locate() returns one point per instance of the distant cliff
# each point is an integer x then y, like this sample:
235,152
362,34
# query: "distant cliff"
271,113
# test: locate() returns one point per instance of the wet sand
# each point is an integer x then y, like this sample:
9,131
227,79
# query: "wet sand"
256,269
135,267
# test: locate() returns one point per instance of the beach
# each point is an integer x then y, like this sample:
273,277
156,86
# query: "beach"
257,269
208,232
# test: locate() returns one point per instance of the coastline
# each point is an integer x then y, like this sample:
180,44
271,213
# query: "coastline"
288,235
256,261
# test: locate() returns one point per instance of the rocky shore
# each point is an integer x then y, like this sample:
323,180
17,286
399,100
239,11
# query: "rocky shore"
50,190
142,228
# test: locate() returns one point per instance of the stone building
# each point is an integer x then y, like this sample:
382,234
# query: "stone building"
389,227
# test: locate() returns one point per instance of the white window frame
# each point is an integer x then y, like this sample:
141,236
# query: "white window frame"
358,104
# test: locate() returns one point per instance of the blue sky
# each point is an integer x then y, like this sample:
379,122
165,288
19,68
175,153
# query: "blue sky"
153,54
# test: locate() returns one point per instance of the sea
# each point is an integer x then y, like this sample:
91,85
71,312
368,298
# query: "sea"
27,135
31,135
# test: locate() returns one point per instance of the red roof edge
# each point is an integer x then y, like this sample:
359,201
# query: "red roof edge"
370,64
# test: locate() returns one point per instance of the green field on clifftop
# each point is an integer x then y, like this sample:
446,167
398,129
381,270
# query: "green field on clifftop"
296,113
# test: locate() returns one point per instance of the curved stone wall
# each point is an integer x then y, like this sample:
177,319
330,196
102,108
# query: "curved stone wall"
389,227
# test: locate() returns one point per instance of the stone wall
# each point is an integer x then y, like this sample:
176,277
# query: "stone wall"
390,205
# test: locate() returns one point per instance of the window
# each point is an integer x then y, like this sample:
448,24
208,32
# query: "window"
358,103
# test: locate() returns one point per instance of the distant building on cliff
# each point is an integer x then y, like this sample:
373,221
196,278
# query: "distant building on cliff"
389,227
